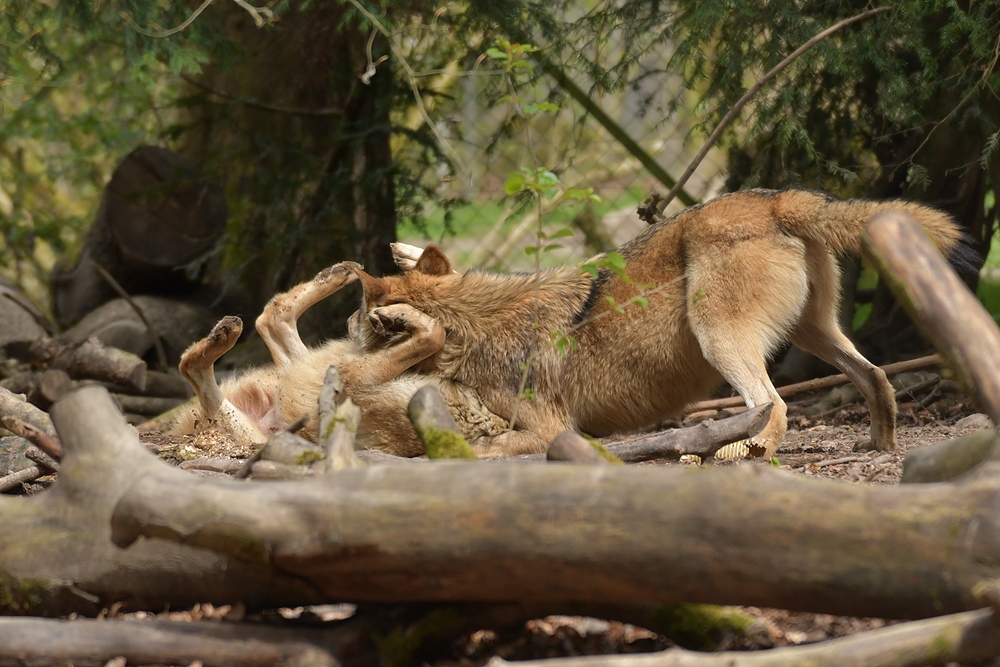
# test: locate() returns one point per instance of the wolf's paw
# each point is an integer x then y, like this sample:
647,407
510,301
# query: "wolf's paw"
225,333
343,272
386,321
751,448
871,445
405,255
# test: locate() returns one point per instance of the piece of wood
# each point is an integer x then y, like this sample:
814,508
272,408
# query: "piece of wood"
734,535
339,419
944,309
91,360
949,459
147,406
815,385
52,385
36,436
16,479
436,428
290,449
92,643
42,459
572,447
969,637
55,550
225,466
16,406
703,439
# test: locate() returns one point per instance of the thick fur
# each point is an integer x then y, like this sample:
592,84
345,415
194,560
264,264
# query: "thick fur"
727,283
373,363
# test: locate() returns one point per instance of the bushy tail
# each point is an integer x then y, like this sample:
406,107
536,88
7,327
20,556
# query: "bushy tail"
839,222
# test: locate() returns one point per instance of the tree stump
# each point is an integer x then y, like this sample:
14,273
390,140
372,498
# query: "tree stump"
157,223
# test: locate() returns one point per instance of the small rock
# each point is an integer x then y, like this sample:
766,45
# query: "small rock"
977,421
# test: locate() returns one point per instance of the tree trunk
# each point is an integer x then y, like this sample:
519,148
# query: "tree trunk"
314,177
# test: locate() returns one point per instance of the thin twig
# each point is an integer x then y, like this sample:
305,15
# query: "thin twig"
412,78
261,15
840,461
172,31
714,137
161,354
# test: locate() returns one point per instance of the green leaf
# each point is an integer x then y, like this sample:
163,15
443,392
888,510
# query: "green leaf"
496,53
531,250
640,301
561,234
516,182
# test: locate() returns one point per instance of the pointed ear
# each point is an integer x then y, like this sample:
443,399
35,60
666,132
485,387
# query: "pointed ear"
433,262
375,289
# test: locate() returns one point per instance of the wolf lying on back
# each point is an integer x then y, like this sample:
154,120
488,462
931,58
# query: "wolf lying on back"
373,362
731,281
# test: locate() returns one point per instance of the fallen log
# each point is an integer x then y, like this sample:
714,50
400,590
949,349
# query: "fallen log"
90,643
56,555
703,439
967,637
90,360
939,302
726,536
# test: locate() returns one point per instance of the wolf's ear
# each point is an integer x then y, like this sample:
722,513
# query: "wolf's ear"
375,288
433,262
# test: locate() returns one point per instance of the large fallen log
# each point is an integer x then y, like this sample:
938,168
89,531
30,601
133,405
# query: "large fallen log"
734,535
940,303
56,555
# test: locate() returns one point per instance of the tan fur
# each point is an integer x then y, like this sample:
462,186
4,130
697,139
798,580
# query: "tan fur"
372,362
728,282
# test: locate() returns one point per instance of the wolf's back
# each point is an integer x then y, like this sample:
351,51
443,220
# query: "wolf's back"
839,222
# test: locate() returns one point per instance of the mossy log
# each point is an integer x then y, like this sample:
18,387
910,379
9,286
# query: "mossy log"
944,309
56,554
472,532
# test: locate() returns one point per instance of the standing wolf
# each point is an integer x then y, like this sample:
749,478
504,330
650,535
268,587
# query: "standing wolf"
727,283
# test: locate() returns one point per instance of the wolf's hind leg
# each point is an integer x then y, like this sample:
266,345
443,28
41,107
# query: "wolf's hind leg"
278,324
741,363
819,333
198,368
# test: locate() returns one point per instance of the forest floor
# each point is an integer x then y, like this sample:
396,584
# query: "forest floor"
820,443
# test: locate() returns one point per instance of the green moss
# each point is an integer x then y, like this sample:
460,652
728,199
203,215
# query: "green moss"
308,457
940,650
603,451
441,444
701,627
399,648
19,596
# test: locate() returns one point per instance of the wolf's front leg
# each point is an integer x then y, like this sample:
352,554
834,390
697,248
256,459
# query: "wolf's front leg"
278,324
411,335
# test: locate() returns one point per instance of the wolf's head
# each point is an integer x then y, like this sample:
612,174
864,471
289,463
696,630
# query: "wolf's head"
417,286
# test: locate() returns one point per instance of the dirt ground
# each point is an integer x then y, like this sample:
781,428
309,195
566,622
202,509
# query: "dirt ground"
820,443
